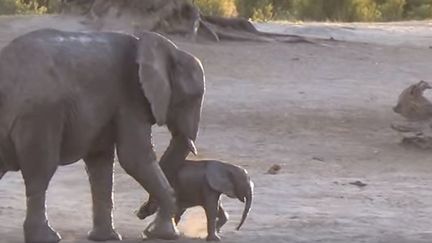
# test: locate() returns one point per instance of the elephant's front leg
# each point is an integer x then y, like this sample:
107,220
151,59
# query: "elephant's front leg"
136,156
99,167
36,226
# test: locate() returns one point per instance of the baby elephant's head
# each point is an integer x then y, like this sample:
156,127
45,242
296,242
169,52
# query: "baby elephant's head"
233,181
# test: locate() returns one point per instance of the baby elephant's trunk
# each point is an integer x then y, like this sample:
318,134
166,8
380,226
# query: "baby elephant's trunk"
248,204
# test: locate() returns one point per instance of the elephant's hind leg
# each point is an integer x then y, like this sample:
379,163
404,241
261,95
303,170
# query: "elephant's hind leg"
222,218
37,144
211,208
180,212
99,166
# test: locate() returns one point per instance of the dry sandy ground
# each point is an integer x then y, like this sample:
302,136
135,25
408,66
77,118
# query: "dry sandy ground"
320,111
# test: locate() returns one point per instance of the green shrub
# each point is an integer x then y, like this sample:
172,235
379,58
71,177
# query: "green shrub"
263,10
21,7
245,7
264,13
421,10
365,10
336,10
7,7
53,6
217,7
309,9
392,10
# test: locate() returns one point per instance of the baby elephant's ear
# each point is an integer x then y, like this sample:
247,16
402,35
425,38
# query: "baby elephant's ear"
219,178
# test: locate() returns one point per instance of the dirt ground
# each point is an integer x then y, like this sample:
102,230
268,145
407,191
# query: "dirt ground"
321,111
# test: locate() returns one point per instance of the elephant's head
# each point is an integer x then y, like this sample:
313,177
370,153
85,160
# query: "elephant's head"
173,82
233,181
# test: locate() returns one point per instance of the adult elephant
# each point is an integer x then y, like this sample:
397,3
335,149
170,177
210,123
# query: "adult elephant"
66,96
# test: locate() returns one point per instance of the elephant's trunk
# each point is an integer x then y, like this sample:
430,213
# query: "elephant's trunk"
184,127
174,156
2,170
170,162
248,204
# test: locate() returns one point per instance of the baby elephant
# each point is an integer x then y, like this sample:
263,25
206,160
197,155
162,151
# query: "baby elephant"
200,183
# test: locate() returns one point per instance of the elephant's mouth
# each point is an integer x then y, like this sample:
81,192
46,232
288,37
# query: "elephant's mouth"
180,145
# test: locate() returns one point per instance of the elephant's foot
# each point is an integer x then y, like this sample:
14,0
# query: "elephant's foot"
99,234
40,233
213,237
162,229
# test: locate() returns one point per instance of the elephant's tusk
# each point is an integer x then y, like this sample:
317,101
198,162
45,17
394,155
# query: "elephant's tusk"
191,146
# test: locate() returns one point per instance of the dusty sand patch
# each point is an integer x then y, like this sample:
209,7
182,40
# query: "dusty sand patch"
284,104
410,33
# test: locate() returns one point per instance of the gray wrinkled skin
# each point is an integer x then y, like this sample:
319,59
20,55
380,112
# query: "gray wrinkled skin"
66,96
200,183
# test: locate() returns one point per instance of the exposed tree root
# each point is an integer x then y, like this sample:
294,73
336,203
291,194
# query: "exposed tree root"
171,17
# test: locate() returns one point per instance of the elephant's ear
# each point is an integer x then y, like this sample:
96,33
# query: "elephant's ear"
219,178
154,60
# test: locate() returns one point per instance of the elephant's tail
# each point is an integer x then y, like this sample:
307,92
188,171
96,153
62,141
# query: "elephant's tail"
248,204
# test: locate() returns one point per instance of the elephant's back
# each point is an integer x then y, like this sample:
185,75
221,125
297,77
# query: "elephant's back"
51,57
78,76
50,66
192,172
58,39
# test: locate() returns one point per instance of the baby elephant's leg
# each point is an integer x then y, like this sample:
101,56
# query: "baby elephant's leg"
179,214
211,207
222,218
